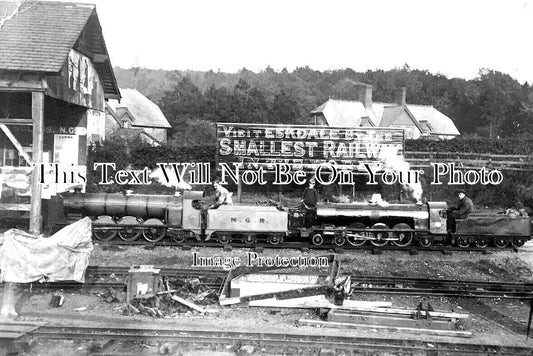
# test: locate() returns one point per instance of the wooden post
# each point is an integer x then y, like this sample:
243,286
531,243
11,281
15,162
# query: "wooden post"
37,114
239,189
8,302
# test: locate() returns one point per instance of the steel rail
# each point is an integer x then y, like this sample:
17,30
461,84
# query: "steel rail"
360,279
303,245
360,284
274,340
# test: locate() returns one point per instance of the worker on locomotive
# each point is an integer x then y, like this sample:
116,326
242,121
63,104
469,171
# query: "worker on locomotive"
308,202
464,208
222,195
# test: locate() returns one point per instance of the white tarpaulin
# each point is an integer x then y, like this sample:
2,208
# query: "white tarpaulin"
63,256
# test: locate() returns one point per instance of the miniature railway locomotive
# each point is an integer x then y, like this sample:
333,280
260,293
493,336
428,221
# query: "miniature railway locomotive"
355,224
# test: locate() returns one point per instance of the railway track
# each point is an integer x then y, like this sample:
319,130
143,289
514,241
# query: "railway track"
299,343
360,284
413,249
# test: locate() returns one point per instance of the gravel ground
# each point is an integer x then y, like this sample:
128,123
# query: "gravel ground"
491,321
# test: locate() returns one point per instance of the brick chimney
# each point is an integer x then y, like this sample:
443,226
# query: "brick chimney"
365,95
399,96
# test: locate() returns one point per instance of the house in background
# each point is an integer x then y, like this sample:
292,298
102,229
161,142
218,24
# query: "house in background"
136,115
417,121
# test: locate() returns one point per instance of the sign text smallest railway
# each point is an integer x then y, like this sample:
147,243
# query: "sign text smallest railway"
255,145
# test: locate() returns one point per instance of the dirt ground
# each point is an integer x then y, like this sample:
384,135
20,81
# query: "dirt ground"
495,266
491,321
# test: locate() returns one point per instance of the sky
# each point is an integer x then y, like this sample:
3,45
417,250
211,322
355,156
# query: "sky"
451,37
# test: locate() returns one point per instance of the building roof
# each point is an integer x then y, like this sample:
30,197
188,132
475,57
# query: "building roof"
145,112
131,133
40,36
109,111
349,113
439,123
344,113
393,114
390,113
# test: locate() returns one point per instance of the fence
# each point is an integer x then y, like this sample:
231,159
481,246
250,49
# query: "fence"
470,160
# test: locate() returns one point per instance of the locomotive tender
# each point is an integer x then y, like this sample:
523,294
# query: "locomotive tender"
187,217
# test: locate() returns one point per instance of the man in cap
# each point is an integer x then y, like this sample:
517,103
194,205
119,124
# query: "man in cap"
309,200
464,208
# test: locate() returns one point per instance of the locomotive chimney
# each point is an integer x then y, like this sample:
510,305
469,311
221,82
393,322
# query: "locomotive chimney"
399,96
365,95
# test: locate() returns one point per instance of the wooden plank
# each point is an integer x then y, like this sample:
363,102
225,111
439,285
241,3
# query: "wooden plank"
14,207
13,327
343,317
13,121
401,311
462,154
16,82
289,294
10,335
188,304
311,302
16,143
339,325
37,114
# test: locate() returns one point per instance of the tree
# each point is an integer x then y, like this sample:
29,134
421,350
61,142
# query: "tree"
284,109
218,104
184,103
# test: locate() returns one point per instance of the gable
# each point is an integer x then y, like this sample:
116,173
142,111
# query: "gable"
143,111
403,119
343,113
439,123
40,37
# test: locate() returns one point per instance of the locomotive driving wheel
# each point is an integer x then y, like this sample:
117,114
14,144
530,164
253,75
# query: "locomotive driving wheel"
356,238
274,239
339,239
104,233
156,232
131,231
425,242
463,241
317,239
249,239
178,236
481,242
224,238
402,238
379,237
518,242
500,242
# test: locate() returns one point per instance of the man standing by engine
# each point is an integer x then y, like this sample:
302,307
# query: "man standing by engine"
309,200
463,209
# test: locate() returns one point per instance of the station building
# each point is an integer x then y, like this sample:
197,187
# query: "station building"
55,79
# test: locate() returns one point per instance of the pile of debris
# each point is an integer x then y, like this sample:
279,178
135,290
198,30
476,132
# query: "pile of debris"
158,296
390,319
328,294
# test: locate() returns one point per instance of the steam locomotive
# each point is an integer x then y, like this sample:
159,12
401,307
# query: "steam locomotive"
187,217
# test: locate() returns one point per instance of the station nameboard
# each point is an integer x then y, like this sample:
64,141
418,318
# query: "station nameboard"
306,146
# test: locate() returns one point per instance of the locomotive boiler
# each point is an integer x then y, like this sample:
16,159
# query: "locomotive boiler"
355,224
